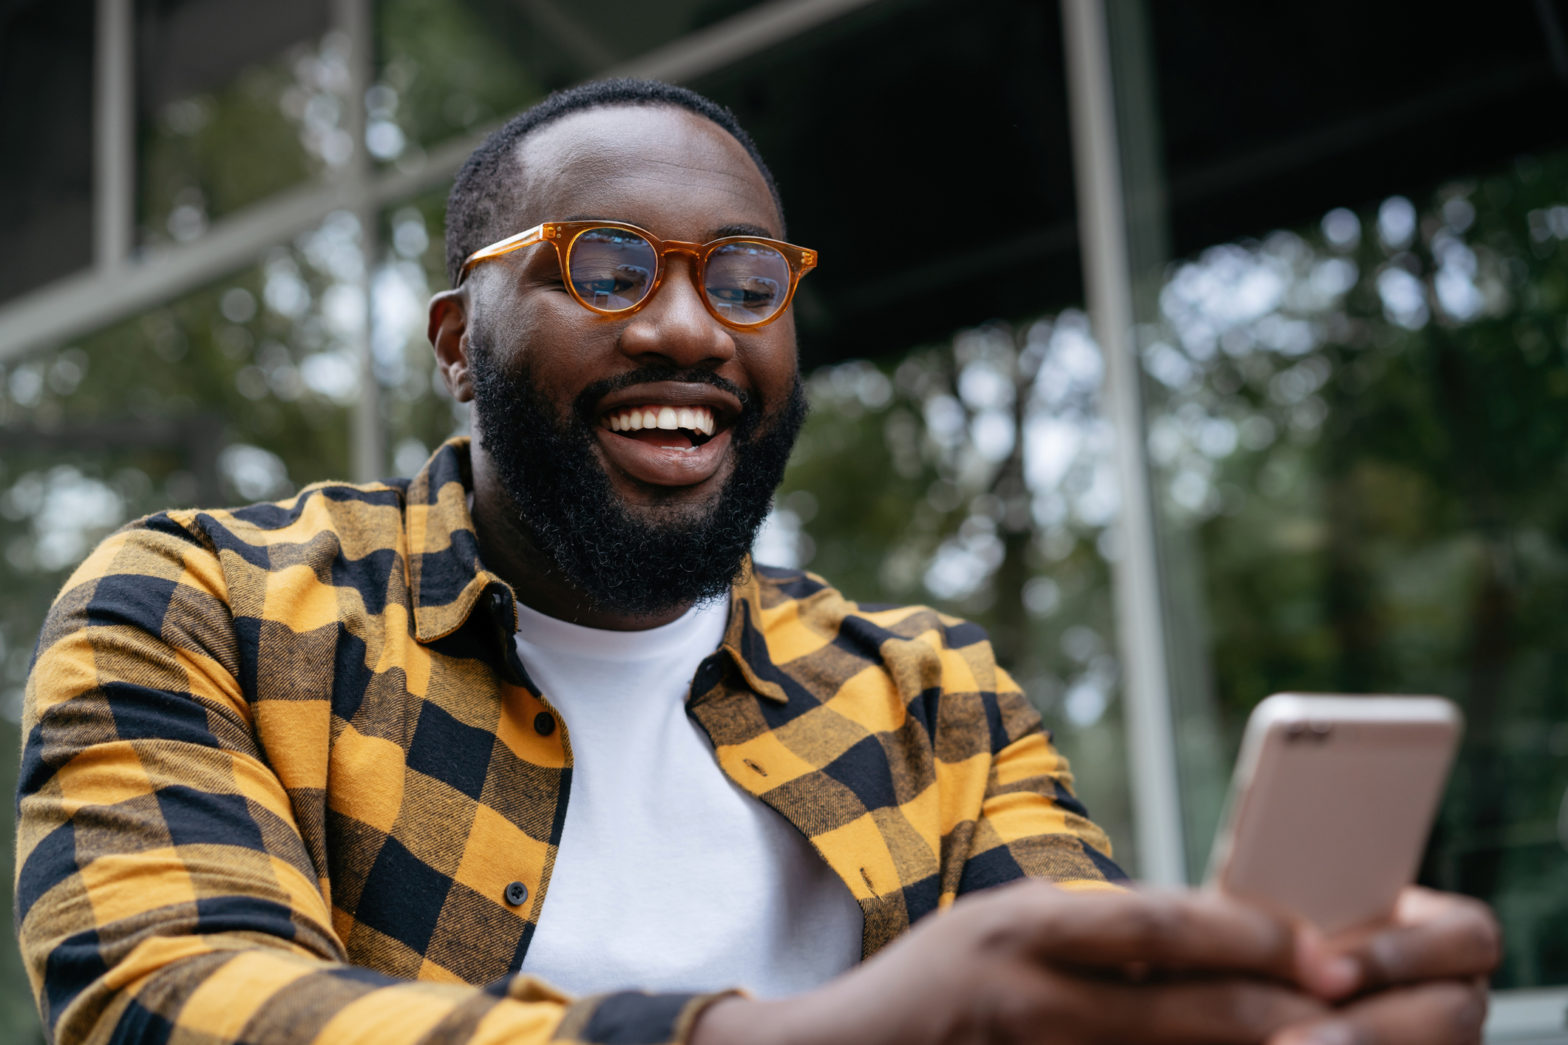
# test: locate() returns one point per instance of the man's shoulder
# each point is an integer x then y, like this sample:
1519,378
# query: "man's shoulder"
211,548
363,515
881,667
792,594
356,512
802,611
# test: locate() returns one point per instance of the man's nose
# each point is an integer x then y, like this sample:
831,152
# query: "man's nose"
675,325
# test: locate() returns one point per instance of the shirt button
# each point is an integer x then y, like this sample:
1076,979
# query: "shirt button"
516,893
708,674
544,723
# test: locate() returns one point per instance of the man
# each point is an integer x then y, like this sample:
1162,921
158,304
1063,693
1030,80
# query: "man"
523,748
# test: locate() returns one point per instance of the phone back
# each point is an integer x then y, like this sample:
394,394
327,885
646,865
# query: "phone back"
1334,800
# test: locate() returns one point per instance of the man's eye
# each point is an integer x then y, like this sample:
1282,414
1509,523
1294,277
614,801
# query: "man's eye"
755,293
613,288
612,281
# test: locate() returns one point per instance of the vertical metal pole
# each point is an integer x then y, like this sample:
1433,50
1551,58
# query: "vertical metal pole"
1108,279
114,140
353,18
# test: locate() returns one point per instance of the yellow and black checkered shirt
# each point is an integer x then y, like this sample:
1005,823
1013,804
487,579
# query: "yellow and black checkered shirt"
285,779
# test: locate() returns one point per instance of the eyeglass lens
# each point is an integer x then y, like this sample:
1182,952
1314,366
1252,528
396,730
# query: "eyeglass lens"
613,270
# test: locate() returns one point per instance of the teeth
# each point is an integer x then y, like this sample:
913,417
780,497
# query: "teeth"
668,418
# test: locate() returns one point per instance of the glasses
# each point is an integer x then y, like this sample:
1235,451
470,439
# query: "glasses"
613,268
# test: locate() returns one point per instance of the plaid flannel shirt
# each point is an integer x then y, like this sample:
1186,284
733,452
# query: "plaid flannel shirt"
283,773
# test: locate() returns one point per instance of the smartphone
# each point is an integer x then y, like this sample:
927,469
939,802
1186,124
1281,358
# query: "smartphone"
1331,803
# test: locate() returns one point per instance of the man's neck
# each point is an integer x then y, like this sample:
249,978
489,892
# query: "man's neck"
507,549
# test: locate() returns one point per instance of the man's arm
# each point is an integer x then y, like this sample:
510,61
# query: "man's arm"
1031,824
163,886
1031,963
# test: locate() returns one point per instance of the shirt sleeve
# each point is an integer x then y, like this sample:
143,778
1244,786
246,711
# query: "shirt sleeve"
164,891
1031,823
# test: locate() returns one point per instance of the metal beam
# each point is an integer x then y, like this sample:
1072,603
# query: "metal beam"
367,439
1135,572
88,301
114,138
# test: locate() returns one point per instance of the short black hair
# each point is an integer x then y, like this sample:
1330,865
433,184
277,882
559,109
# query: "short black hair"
474,209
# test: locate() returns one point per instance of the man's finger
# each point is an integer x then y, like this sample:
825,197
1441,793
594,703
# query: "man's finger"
1443,1013
1435,936
1186,1012
1155,930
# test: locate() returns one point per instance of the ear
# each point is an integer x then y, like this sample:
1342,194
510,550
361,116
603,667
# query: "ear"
448,334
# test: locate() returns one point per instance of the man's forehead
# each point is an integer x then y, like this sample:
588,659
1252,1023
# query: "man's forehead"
636,156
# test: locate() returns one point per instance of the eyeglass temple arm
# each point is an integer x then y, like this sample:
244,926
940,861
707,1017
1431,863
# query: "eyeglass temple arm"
526,238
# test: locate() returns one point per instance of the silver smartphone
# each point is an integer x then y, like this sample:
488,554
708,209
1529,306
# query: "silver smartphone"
1331,803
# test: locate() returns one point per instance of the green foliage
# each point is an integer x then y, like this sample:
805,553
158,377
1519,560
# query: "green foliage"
210,155
1397,523
451,71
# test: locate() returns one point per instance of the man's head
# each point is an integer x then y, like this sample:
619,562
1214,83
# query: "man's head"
636,520
482,202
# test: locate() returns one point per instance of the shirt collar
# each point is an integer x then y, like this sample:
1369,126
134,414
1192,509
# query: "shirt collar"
446,578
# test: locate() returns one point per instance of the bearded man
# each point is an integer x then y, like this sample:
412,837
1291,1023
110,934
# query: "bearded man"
526,748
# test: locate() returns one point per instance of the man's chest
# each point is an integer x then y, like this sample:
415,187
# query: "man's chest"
433,794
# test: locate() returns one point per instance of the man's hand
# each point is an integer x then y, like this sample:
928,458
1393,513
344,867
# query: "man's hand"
1422,980
1031,963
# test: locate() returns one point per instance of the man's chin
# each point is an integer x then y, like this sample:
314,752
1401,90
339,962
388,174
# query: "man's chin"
625,543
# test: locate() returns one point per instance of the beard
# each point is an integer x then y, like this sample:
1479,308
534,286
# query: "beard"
644,561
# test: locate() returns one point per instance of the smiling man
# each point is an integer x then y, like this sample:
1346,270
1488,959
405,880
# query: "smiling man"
636,392
526,748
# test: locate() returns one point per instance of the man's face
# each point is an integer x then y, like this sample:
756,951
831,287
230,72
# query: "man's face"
649,519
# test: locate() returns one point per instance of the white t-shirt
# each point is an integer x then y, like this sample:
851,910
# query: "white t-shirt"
669,876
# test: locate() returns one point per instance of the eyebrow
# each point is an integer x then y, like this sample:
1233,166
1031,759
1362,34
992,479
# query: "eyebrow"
741,229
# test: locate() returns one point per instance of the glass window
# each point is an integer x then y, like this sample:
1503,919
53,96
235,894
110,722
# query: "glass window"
452,67
46,187
1362,432
235,104
1356,371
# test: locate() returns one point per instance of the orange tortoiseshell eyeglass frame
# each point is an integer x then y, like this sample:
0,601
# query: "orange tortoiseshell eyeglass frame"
563,234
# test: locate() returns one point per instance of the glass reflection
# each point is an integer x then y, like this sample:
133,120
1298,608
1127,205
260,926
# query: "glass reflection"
1361,430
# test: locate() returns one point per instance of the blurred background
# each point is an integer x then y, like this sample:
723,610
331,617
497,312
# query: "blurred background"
1199,351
